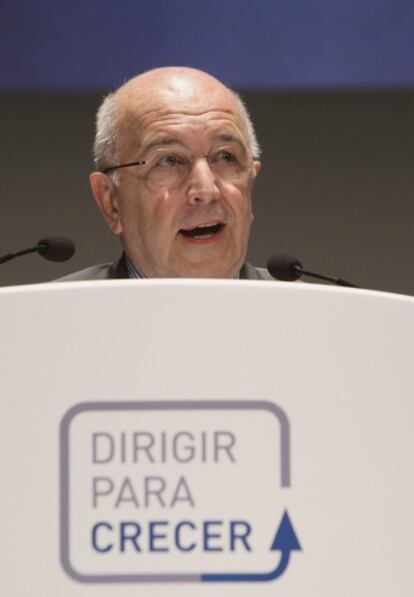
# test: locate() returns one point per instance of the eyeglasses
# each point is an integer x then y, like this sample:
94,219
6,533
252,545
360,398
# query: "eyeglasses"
170,168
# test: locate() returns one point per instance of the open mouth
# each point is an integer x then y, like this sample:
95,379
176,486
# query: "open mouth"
202,232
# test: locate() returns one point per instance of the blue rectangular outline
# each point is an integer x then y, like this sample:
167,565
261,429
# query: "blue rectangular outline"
151,405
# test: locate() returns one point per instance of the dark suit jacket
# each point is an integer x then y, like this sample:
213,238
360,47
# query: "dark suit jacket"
117,270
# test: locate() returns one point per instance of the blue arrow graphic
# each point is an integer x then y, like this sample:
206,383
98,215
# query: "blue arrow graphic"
285,541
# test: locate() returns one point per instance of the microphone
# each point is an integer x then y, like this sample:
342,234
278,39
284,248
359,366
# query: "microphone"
288,268
53,248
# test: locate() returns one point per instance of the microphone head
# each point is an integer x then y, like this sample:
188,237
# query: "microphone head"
56,248
283,267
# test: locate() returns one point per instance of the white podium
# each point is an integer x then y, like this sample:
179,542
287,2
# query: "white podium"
194,438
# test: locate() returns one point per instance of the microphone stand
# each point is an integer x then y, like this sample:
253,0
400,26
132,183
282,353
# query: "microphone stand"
338,281
11,256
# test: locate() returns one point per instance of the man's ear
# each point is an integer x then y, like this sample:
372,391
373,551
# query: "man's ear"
256,167
106,197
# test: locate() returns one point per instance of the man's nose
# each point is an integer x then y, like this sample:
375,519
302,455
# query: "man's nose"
202,182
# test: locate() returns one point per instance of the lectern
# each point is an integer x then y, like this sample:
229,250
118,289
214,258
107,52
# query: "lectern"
195,438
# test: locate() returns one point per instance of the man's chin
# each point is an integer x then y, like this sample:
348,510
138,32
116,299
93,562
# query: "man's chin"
214,260
205,270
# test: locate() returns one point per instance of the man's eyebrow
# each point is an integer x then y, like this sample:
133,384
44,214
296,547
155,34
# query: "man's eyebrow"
228,137
160,142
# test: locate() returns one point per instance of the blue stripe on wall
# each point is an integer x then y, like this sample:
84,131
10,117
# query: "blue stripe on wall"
94,44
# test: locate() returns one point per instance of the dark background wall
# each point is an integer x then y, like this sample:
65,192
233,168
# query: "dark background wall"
330,86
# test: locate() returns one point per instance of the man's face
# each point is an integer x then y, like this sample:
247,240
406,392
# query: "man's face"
196,223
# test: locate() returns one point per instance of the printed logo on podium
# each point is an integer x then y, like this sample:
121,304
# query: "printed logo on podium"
175,491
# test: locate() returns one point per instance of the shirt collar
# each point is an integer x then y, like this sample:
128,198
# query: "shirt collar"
133,272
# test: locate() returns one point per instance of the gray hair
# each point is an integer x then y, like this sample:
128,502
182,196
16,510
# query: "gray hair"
106,148
107,145
254,146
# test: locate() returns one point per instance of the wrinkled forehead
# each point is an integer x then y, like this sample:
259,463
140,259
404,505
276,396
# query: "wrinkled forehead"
180,104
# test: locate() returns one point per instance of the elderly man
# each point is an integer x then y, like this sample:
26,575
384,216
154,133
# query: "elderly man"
176,160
